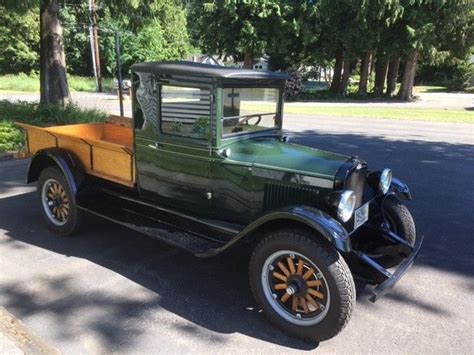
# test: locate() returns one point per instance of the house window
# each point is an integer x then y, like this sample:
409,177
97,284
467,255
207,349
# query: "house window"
186,111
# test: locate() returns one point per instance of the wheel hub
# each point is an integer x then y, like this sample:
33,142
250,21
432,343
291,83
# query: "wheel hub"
297,286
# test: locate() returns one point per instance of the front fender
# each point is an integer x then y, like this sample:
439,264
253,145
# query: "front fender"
69,166
315,219
400,188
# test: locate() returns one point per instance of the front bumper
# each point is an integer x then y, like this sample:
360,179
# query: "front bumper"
391,278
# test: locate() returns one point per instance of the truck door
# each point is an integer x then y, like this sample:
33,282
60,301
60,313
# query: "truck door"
173,157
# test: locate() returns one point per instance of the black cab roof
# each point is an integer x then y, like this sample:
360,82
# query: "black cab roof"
205,70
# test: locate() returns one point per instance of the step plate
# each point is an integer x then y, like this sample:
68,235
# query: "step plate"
146,220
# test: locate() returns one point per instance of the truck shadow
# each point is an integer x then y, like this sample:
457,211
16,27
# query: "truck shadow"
212,295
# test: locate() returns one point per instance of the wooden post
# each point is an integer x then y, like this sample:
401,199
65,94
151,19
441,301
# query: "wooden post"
119,70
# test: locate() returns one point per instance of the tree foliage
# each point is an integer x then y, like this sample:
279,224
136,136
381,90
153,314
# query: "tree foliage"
19,41
387,37
240,29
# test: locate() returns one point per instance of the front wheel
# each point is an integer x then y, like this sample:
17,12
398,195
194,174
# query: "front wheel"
400,221
302,284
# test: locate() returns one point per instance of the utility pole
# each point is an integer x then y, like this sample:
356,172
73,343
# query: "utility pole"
95,45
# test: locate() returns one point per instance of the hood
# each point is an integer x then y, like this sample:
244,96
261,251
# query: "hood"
272,153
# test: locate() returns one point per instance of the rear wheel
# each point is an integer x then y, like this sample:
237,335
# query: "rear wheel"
57,204
302,284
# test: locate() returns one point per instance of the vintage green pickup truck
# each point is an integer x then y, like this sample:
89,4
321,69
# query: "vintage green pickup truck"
204,165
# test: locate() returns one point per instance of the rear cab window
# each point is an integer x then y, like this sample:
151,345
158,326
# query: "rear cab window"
185,111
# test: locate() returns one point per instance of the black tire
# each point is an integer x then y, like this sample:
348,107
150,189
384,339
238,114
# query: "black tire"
337,276
400,222
71,223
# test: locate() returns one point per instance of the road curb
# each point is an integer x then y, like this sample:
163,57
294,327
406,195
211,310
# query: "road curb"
20,337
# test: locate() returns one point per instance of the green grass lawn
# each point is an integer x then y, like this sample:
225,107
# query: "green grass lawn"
21,83
365,111
429,89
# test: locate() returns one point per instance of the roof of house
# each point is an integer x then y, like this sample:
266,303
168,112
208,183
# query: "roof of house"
205,70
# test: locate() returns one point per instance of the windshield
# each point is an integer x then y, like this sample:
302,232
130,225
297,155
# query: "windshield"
249,110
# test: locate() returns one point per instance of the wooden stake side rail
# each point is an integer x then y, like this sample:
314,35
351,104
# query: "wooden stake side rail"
104,149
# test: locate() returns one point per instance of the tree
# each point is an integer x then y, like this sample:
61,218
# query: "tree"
429,26
236,28
151,31
53,79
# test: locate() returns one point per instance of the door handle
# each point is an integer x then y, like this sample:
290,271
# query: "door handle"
156,145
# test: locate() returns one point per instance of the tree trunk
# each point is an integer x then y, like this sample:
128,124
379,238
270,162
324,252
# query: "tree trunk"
345,77
336,77
248,58
53,81
409,70
392,75
380,75
364,72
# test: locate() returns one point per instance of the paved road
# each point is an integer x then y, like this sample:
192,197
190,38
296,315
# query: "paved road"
111,289
433,100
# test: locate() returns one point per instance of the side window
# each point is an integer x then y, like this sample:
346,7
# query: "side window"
186,111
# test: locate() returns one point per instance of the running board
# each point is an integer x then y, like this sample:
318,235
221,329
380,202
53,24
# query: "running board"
148,221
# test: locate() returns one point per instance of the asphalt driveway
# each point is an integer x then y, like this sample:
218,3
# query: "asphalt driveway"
111,289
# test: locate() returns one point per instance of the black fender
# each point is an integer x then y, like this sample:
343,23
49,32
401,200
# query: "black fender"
64,160
313,218
400,188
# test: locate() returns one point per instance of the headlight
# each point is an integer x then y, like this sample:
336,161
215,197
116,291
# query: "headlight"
346,204
385,180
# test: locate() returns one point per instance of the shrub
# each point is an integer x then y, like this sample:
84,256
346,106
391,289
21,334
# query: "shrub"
463,72
10,137
40,115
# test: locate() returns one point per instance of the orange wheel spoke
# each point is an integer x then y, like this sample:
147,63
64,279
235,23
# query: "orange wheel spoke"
291,265
285,297
300,267
304,304
312,301
315,293
50,195
283,268
313,283
280,276
280,286
308,274
294,304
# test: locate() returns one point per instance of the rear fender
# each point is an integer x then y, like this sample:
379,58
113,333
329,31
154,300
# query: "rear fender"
65,161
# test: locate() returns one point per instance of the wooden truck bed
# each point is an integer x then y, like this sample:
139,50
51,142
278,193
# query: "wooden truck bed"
104,149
